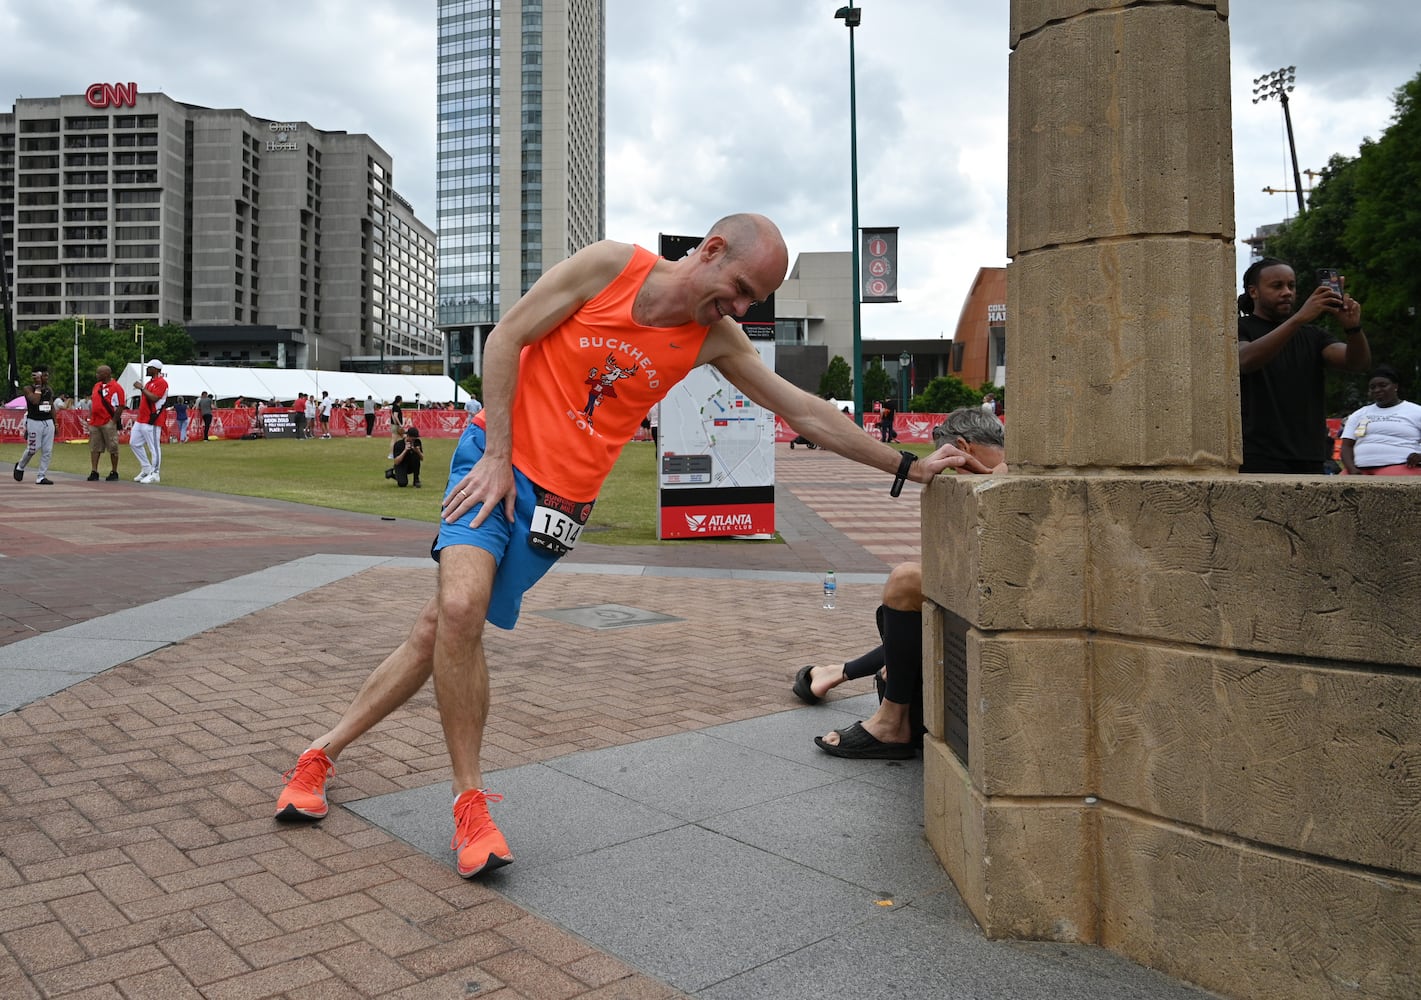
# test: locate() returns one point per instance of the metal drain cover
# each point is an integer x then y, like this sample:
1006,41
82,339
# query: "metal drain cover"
604,616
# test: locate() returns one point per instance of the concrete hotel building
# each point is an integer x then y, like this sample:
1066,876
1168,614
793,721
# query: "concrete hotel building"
273,242
522,152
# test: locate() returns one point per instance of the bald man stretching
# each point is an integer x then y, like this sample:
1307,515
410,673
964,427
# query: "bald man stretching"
617,325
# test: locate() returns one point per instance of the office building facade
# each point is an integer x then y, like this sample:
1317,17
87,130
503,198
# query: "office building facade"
521,151
273,242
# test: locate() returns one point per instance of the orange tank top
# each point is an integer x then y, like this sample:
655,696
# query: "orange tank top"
585,387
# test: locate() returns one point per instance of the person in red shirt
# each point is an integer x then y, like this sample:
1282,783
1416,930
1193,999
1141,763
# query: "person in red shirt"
299,408
145,436
105,415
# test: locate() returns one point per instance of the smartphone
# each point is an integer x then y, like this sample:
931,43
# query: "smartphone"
1329,276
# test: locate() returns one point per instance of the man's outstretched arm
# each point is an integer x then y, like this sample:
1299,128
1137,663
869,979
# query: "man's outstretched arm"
817,419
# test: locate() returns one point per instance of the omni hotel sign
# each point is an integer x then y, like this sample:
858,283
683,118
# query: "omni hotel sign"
283,136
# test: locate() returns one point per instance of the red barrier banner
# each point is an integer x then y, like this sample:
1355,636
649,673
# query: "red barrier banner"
231,424
912,428
234,424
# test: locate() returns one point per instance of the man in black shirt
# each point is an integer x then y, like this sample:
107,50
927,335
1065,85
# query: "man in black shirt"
39,426
409,455
1281,359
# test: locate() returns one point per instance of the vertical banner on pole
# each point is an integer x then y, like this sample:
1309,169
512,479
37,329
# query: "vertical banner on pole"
878,264
716,448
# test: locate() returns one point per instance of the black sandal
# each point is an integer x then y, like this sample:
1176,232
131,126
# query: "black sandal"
857,743
801,687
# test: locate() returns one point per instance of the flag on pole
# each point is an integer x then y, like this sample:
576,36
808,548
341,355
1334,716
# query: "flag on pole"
878,262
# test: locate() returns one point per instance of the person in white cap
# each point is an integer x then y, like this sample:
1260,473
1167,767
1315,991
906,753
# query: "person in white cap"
145,436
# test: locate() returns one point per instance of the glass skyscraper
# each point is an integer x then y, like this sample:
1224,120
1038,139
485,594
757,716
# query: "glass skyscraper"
521,151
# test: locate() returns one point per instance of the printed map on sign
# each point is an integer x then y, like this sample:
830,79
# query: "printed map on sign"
707,416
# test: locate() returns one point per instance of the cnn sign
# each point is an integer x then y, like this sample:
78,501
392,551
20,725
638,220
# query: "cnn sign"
112,95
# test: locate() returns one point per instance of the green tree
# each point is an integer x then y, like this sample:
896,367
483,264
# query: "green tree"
473,384
1384,236
999,392
837,382
1364,218
53,345
944,393
878,384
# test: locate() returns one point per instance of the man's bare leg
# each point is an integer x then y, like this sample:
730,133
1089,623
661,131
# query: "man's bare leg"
389,686
903,590
460,670
825,678
461,686
888,724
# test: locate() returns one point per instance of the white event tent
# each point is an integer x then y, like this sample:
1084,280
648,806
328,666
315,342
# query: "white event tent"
285,384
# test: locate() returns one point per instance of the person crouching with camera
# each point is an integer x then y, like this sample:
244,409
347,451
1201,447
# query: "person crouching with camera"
409,455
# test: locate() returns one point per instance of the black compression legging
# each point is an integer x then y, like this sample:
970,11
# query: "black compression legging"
903,652
869,663
902,635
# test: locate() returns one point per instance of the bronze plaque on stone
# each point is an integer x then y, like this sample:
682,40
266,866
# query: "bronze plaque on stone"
954,683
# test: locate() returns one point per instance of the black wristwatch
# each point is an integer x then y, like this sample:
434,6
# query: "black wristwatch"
904,465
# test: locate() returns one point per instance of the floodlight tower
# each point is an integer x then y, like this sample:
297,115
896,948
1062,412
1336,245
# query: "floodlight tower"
1277,84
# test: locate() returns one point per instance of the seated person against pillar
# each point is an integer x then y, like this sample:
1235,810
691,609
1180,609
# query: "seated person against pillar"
409,455
1281,360
895,730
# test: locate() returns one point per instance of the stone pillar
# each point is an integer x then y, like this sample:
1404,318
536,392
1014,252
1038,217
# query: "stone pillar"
1172,710
1120,228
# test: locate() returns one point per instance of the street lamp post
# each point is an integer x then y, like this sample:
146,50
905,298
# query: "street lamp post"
138,336
455,359
12,373
851,17
905,361
1277,84
79,329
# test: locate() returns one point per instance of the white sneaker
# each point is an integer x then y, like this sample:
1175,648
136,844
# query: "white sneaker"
153,479
140,477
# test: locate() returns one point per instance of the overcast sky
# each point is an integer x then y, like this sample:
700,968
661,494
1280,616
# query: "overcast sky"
724,105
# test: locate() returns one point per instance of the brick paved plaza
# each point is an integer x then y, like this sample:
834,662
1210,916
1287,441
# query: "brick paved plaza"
140,857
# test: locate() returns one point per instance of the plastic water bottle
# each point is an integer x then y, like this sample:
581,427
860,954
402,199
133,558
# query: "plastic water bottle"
830,587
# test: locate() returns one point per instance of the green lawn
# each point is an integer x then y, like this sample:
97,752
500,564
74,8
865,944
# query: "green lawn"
348,474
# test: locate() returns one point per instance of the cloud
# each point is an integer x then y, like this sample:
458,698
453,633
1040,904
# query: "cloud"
734,104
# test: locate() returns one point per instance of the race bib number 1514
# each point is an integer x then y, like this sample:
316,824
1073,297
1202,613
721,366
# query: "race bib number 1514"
557,522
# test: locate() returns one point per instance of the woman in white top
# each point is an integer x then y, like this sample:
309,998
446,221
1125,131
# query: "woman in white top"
1384,438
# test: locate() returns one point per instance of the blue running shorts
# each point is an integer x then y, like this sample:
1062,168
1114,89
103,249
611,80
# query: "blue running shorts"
520,565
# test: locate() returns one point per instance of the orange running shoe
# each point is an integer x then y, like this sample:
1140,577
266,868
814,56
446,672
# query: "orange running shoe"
305,791
481,847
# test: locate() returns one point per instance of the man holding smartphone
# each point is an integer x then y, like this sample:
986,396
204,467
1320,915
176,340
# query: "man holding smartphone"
1281,360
